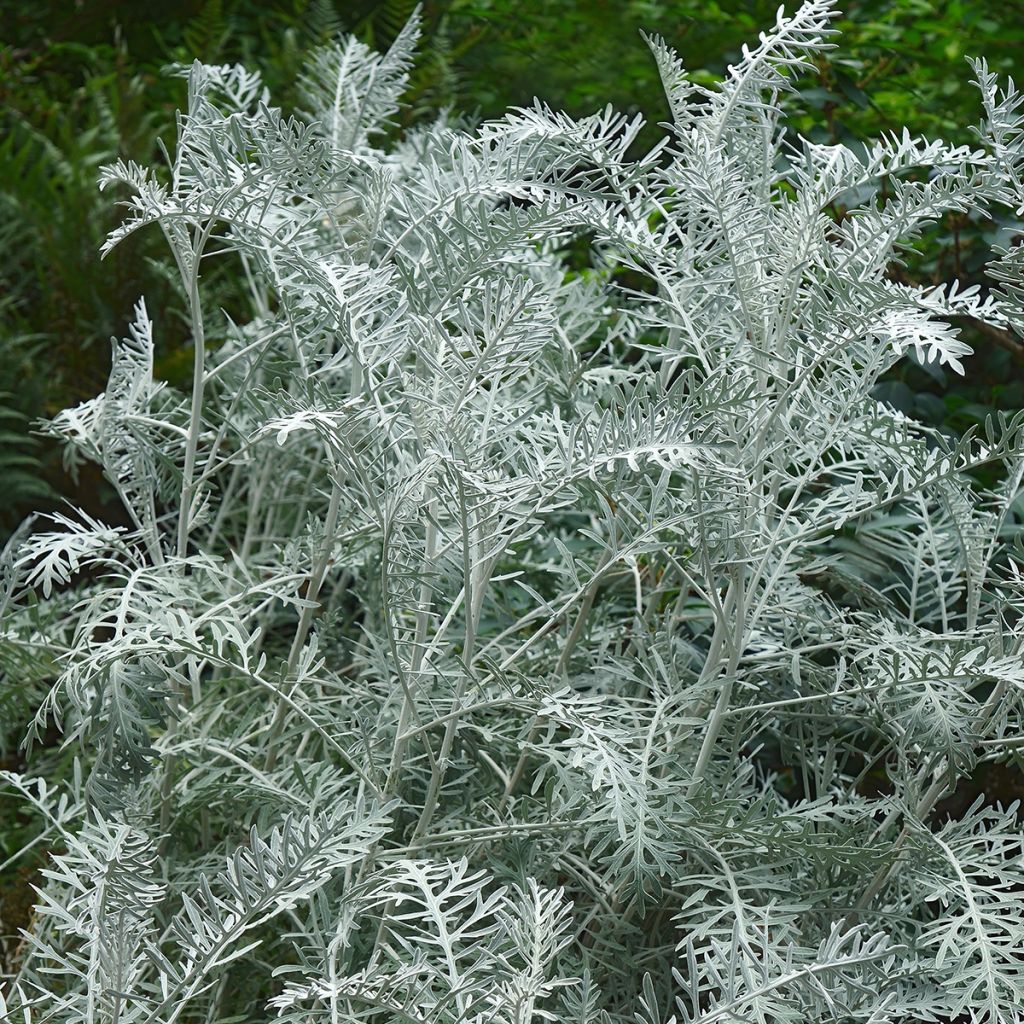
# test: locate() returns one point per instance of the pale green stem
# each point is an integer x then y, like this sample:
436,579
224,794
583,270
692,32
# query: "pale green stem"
735,603
563,661
468,653
426,596
317,575
196,412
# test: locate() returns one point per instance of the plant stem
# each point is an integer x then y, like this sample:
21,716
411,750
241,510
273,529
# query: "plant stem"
468,653
196,410
316,580
735,603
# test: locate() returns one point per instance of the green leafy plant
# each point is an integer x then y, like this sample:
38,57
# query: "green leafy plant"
498,634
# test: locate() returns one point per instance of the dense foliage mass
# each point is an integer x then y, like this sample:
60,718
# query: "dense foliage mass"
81,85
506,634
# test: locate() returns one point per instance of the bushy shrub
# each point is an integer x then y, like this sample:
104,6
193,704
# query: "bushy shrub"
507,634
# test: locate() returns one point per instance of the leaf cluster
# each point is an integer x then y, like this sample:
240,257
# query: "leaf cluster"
491,638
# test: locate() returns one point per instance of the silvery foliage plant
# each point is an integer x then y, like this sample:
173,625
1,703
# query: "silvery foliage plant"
495,634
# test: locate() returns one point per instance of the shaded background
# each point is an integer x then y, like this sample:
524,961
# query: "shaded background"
81,83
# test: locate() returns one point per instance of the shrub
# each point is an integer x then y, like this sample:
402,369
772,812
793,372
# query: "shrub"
508,634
